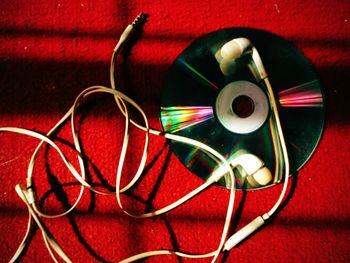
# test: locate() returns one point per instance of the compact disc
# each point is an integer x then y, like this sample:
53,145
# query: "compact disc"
224,104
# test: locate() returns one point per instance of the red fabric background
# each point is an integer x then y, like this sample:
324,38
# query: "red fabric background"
51,50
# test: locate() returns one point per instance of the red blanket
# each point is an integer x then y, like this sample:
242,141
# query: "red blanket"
51,50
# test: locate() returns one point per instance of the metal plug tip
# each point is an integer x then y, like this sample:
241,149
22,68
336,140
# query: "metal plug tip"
139,19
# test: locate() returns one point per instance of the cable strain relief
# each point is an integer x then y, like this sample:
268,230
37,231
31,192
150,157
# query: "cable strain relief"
265,216
30,182
31,190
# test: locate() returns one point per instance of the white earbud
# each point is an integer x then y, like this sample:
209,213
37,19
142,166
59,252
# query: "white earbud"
257,174
235,48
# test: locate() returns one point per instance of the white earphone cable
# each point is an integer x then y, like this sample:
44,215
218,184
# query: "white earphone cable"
28,195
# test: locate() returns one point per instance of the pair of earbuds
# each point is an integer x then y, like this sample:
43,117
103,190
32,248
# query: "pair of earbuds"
255,173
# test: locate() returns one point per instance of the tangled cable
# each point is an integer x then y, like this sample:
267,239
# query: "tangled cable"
28,193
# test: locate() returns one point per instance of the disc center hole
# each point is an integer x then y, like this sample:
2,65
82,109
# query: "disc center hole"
243,106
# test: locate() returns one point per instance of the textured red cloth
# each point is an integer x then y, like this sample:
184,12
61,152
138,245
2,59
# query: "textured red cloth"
51,50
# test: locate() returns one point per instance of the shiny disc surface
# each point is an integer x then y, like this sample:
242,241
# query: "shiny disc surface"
223,104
